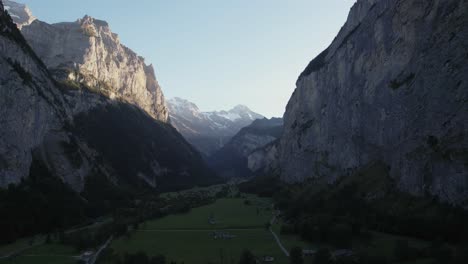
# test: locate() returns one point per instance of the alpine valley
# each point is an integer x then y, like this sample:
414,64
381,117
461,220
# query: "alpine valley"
368,164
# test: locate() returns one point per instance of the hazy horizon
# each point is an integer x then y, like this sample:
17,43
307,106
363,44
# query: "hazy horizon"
217,54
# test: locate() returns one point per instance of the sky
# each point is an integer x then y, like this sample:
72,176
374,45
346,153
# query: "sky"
217,53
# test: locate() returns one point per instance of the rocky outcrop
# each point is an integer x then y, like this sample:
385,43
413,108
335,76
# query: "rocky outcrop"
88,52
20,13
208,131
264,160
233,159
391,87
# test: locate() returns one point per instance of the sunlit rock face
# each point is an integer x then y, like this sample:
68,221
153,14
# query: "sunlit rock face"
208,131
20,13
88,52
393,86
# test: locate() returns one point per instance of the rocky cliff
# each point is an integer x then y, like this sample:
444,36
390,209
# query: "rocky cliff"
32,106
88,52
20,13
391,87
208,131
233,158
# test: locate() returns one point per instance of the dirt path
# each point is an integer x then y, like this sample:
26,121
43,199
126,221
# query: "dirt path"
93,259
277,239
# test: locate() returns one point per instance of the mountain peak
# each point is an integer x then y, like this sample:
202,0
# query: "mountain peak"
240,108
243,112
179,104
208,131
88,52
20,13
87,20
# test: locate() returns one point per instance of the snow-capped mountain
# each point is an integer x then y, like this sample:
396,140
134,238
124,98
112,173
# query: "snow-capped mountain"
20,13
208,131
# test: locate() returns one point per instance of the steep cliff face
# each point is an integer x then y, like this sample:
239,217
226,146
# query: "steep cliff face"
87,52
232,159
264,160
391,87
208,131
32,110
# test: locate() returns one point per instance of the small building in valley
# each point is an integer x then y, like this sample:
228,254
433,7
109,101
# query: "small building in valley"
222,235
268,259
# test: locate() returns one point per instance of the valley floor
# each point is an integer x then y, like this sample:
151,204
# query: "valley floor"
190,237
214,233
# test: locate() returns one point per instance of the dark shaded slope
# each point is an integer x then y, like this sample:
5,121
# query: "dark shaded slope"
232,160
141,149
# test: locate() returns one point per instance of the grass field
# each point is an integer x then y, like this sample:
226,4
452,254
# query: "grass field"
227,213
188,237
209,189
45,254
20,244
41,253
197,246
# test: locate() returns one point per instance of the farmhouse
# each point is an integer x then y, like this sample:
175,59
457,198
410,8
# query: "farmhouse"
268,259
222,235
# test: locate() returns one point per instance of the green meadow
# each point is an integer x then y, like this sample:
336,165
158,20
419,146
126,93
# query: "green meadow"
45,254
189,237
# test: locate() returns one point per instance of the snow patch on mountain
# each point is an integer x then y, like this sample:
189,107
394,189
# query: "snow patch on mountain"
229,115
208,131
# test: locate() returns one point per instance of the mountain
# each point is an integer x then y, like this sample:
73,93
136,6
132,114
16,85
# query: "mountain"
87,52
104,117
20,13
232,159
208,131
69,153
32,106
391,88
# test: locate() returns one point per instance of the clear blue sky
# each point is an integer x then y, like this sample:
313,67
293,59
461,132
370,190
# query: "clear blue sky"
217,53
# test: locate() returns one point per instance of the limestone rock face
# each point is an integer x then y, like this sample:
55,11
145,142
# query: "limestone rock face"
264,160
393,86
32,110
208,131
88,52
20,13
